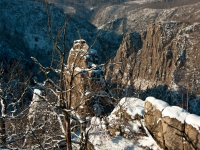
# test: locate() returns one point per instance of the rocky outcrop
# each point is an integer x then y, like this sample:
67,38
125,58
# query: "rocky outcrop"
85,78
152,117
192,127
171,126
127,110
119,70
164,56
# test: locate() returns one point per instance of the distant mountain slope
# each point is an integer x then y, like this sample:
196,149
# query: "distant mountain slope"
22,25
122,16
130,17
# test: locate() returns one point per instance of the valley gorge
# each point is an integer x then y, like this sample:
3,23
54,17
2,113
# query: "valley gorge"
23,36
111,54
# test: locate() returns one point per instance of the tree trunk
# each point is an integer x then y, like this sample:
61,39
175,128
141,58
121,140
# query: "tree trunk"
3,124
2,132
68,133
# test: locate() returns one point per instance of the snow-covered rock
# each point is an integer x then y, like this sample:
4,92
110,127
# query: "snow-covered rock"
153,118
134,107
123,129
171,126
89,85
192,130
175,112
159,104
35,103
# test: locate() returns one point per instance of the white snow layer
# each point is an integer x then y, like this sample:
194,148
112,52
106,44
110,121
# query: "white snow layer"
78,41
36,94
193,120
102,140
34,103
160,105
175,112
120,143
132,106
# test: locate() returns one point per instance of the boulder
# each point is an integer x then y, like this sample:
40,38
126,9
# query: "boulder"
173,128
128,111
153,118
192,131
129,108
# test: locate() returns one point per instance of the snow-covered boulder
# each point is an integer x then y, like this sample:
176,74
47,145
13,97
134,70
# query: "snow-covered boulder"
192,130
123,129
172,127
129,111
37,108
133,107
153,116
173,119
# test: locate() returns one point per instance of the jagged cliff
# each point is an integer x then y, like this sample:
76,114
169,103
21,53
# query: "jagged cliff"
165,56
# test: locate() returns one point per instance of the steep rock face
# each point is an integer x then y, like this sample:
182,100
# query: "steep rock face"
158,59
166,56
119,69
88,92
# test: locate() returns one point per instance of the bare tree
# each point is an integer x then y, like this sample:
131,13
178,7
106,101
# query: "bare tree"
13,90
76,85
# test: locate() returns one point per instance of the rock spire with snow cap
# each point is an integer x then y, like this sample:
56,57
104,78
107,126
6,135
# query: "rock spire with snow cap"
89,86
80,44
81,56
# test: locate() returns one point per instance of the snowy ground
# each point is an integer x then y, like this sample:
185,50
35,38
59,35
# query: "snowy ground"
131,137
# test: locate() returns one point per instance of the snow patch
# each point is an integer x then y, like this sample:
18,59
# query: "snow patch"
36,94
193,120
132,106
175,112
159,120
102,139
160,105
78,69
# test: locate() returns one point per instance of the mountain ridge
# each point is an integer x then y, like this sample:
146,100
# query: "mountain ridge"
168,60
